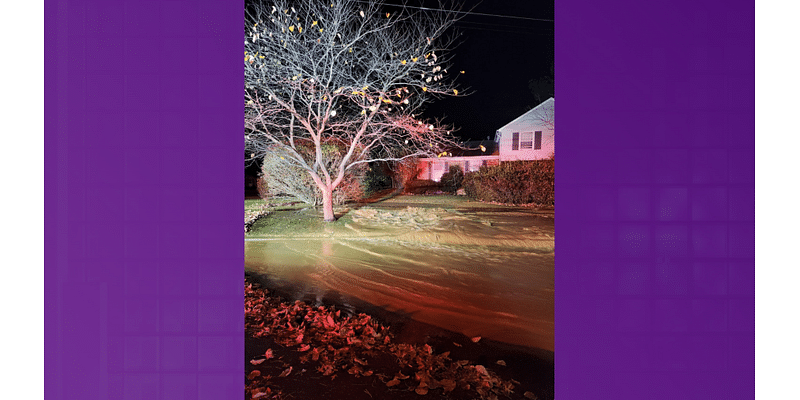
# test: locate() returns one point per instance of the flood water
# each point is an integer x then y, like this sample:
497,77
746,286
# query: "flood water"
498,293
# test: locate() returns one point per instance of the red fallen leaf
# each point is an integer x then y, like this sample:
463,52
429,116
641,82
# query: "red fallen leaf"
368,373
260,394
329,322
422,390
400,375
529,395
481,370
427,348
326,369
256,362
393,382
448,385
304,347
254,374
268,354
445,354
501,362
359,361
456,344
285,373
476,339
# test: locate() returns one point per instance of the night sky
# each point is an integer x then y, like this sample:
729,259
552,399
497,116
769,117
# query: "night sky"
499,55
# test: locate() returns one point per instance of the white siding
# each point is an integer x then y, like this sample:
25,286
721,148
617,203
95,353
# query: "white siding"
438,165
540,118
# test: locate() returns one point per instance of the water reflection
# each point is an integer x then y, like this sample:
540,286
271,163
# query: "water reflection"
498,293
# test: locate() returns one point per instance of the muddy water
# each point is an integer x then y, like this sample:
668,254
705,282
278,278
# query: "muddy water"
503,294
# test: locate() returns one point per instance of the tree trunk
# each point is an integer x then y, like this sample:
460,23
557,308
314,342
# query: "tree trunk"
327,205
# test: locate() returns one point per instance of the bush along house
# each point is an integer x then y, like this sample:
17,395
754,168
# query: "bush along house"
529,137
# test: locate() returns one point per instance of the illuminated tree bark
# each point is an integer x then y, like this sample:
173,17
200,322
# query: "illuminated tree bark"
354,74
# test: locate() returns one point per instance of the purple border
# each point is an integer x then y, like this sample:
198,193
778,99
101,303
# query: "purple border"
143,240
655,200
143,179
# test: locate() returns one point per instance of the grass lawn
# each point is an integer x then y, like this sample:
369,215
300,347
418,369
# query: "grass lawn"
443,218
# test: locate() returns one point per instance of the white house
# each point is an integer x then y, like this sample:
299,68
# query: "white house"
529,137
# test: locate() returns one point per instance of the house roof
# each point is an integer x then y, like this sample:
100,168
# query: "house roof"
533,111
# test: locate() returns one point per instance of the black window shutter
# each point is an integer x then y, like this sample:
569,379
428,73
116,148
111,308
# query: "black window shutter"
515,141
537,140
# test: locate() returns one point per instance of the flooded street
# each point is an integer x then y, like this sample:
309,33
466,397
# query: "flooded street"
502,293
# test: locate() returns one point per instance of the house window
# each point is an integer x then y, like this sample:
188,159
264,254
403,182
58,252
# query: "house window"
526,141
537,140
483,163
515,141
466,165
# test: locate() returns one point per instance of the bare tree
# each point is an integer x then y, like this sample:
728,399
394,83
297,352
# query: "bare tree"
349,73
546,114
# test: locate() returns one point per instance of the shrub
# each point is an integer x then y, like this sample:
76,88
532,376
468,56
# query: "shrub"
263,189
405,172
376,179
452,179
514,182
281,176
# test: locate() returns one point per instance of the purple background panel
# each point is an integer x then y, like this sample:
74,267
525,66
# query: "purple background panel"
655,200
655,193
143,186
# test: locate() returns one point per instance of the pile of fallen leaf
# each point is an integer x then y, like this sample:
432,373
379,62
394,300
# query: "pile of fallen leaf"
332,344
253,215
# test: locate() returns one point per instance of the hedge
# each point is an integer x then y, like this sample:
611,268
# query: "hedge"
513,182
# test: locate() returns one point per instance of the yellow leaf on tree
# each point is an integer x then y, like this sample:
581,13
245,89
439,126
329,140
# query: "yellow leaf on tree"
351,49
403,62
320,29
414,59
291,28
424,89
455,91
387,15
313,23
299,29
